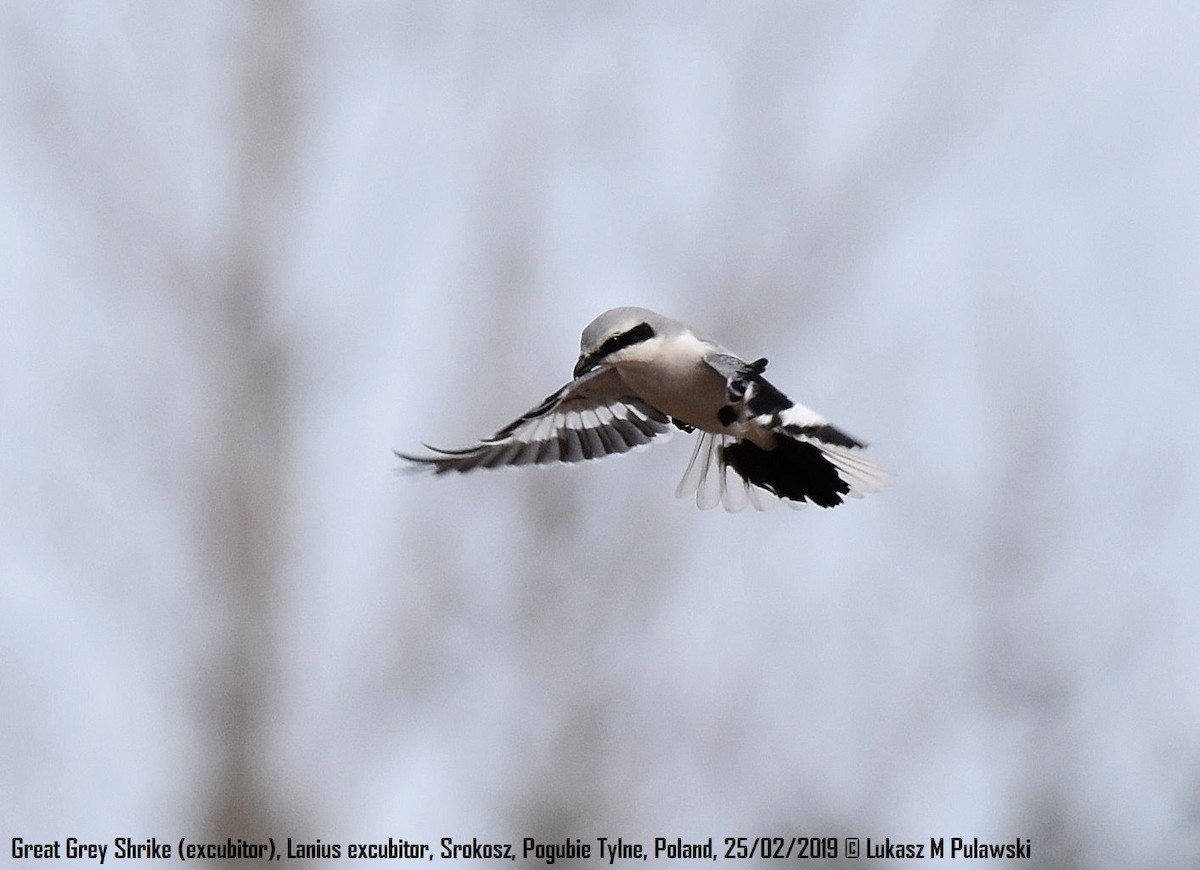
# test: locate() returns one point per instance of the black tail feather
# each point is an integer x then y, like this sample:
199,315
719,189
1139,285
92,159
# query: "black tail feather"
795,470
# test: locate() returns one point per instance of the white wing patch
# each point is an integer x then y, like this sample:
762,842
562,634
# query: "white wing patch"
571,425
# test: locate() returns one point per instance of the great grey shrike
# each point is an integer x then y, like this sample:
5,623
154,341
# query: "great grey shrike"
639,374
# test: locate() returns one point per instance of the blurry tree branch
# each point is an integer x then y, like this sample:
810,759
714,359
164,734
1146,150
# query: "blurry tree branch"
244,495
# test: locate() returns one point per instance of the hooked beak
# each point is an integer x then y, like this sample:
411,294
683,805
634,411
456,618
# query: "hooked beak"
586,363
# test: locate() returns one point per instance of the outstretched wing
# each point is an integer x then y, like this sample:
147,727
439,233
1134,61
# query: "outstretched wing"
753,397
811,460
593,416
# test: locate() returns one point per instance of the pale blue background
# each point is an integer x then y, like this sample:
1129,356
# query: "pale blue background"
249,248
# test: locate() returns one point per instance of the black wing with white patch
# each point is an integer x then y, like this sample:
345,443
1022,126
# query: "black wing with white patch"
808,460
592,417
752,397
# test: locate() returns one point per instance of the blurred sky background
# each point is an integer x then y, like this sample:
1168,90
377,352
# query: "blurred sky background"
248,248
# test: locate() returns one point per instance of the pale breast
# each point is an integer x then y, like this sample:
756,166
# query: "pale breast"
678,382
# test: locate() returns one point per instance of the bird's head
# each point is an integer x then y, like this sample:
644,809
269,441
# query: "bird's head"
612,332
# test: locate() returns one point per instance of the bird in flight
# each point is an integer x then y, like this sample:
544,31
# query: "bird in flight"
640,375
